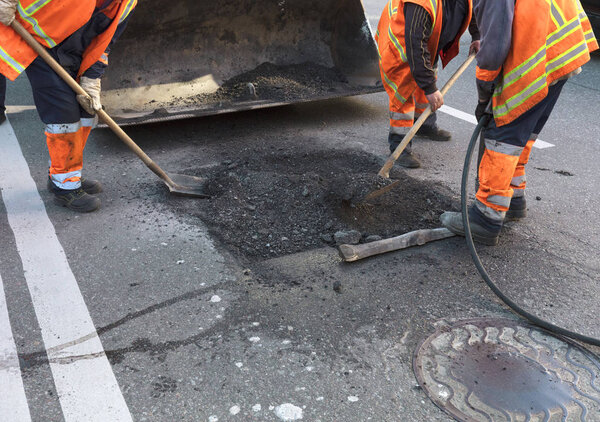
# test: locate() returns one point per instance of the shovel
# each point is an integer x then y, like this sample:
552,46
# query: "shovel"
178,184
385,170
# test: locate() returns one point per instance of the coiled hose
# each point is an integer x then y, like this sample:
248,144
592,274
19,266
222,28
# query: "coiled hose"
483,122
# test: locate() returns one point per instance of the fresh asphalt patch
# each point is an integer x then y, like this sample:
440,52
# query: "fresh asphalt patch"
278,201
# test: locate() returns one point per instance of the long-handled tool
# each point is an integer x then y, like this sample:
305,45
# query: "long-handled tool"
385,170
351,253
178,184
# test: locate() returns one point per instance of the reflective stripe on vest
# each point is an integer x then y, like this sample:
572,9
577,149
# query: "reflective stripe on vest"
18,67
397,44
35,6
567,44
130,5
28,17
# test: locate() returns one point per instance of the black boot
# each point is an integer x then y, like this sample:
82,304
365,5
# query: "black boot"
408,160
2,116
517,210
76,200
434,133
482,230
92,187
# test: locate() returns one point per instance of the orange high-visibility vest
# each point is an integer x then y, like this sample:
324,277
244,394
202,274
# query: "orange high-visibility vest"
51,22
390,38
550,40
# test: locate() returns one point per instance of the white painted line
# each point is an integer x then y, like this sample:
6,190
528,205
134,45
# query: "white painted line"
86,385
460,114
539,144
13,402
18,109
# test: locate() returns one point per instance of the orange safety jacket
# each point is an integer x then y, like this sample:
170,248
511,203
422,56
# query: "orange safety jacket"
390,38
550,39
51,22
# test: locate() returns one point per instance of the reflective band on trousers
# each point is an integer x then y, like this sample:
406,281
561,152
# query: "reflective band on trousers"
401,116
489,212
65,180
56,128
503,148
518,181
501,201
397,130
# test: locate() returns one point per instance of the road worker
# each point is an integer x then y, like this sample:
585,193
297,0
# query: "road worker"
79,35
529,48
412,36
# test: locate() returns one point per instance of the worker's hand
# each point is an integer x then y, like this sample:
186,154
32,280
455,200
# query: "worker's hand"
8,9
92,103
474,48
436,100
482,109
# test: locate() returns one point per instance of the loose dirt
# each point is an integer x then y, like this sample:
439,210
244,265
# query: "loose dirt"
272,83
277,202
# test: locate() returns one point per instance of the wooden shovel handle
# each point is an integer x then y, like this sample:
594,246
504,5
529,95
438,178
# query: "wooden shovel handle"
351,253
102,115
385,170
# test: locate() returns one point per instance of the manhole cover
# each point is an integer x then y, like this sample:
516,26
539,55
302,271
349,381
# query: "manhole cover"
504,370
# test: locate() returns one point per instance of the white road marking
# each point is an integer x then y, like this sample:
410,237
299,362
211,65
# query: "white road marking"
18,109
539,144
86,385
13,402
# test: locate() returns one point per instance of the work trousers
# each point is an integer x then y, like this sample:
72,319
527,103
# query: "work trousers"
507,150
2,94
67,124
404,114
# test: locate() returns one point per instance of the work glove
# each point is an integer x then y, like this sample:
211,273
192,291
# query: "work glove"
92,103
8,9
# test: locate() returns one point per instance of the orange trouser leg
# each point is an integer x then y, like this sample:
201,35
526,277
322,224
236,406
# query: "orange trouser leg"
421,102
496,172
65,145
519,179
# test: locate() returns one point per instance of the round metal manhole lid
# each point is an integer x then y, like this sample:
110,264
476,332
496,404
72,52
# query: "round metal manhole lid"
504,370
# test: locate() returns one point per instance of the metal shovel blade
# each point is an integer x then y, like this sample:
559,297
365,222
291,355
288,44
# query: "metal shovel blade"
190,186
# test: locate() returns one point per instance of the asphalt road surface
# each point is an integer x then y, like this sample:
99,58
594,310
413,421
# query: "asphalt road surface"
138,312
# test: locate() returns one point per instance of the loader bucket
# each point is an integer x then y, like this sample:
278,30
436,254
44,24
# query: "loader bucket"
186,58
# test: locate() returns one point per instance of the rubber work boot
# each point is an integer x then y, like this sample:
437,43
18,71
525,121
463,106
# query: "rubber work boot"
91,187
408,160
453,222
434,133
517,210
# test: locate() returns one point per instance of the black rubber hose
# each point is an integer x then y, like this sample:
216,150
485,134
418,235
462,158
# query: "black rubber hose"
468,236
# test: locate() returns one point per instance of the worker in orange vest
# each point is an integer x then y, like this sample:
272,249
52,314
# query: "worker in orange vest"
79,35
528,51
411,37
